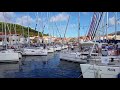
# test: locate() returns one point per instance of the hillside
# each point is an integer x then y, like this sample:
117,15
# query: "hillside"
19,30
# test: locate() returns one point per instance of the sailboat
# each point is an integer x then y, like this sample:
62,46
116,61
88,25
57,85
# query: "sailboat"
8,55
108,66
22,38
50,49
74,56
33,51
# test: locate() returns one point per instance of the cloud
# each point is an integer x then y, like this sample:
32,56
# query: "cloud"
84,13
60,17
112,21
7,16
25,20
73,25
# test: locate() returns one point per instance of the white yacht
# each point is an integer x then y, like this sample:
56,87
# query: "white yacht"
50,49
57,48
34,52
73,56
64,46
109,67
9,56
107,63
78,56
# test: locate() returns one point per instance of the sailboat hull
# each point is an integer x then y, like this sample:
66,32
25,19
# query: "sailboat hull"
72,57
50,50
96,71
34,52
9,56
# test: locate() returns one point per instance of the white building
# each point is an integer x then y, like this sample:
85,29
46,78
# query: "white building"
14,39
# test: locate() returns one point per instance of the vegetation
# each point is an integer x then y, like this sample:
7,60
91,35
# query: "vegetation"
19,30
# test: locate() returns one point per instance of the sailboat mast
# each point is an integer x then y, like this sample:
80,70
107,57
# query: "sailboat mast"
48,17
36,26
53,34
107,27
78,30
5,31
58,30
28,31
5,35
37,23
10,32
115,24
15,29
22,28
66,28
2,31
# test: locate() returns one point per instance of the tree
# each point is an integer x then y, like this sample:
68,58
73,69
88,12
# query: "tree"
19,30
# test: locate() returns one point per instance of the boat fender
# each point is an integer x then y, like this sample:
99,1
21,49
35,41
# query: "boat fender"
118,76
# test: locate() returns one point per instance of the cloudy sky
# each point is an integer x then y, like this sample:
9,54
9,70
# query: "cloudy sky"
49,19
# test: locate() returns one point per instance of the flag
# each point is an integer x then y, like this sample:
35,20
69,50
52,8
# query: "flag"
94,25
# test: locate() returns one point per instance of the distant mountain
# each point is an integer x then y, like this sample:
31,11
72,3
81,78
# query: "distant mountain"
19,30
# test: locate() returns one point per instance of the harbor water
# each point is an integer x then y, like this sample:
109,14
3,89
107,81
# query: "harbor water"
40,67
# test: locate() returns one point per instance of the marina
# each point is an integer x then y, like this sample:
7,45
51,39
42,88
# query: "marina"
60,45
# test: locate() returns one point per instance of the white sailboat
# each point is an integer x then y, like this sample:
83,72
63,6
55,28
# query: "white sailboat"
74,56
50,49
105,67
6,55
64,46
57,48
33,51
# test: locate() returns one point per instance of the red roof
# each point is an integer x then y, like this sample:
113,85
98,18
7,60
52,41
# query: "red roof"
7,33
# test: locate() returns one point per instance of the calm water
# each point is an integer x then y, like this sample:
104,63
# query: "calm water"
41,67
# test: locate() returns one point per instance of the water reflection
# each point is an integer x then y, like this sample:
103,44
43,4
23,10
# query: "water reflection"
8,68
40,67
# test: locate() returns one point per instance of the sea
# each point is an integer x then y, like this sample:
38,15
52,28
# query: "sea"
49,66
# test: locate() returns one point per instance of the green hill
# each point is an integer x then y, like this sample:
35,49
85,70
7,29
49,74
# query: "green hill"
32,32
